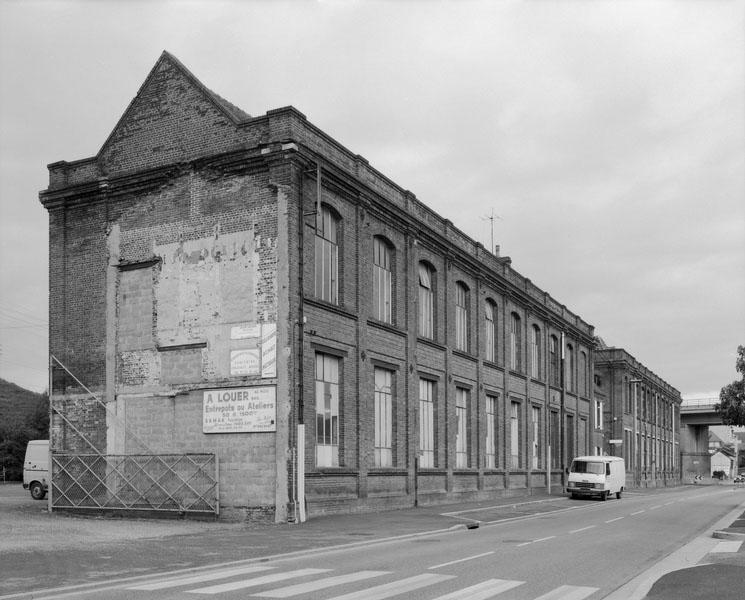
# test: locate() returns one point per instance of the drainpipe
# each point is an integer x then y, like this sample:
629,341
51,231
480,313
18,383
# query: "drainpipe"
300,322
298,373
562,450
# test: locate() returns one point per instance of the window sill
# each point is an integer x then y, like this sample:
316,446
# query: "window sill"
387,471
465,355
321,471
335,308
386,326
432,343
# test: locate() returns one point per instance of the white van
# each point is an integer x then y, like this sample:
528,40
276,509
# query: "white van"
596,476
36,468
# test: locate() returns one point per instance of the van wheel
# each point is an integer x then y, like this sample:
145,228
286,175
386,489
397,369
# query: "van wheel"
604,496
618,494
37,491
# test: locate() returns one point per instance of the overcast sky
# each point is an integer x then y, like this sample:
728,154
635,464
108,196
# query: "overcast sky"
608,139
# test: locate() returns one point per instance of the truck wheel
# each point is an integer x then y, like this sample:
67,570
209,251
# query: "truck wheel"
618,494
604,496
37,491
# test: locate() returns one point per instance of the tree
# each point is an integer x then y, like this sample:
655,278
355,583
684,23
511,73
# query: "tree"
731,405
16,432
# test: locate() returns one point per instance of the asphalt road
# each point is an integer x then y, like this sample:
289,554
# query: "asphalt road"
555,549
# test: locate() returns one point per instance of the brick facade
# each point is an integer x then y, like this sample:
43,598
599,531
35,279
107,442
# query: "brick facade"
193,233
641,412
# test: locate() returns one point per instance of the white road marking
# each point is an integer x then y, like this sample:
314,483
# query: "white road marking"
320,584
616,519
210,576
655,507
482,591
638,512
460,560
568,592
395,588
550,537
583,529
727,546
239,585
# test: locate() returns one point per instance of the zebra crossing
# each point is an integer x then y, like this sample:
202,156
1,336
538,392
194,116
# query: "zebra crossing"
368,584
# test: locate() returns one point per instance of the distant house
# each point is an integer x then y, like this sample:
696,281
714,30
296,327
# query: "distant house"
722,460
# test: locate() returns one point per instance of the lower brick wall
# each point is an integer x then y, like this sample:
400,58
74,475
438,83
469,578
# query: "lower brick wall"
336,493
247,465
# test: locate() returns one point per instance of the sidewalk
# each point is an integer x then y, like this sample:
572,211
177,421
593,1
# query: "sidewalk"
718,576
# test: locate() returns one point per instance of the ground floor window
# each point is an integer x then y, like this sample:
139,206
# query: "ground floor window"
327,410
583,433
426,423
535,426
383,418
627,441
555,437
491,432
570,438
461,433
515,435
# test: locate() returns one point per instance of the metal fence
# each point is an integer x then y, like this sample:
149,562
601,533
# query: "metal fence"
175,483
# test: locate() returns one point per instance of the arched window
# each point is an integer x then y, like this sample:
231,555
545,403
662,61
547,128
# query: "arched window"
515,343
426,301
461,317
535,352
382,280
327,256
490,330
553,366
571,382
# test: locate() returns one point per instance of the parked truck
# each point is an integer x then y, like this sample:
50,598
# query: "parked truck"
36,468
598,476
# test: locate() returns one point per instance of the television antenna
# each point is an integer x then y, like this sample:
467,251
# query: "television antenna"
491,219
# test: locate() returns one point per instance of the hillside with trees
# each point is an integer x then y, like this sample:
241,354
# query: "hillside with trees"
24,416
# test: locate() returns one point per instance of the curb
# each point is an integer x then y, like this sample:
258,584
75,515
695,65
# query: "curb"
728,535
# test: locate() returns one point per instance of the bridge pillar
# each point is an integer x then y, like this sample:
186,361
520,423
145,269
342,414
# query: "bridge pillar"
694,451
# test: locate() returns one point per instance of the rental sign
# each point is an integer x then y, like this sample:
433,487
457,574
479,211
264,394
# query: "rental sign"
240,410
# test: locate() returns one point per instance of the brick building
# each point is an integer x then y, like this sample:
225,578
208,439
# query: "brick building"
248,287
638,414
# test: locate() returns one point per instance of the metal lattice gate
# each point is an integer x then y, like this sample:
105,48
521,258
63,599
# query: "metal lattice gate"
174,483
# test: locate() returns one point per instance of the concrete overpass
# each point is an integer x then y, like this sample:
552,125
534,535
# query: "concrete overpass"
696,415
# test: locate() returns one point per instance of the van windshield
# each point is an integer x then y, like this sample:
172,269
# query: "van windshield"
584,466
